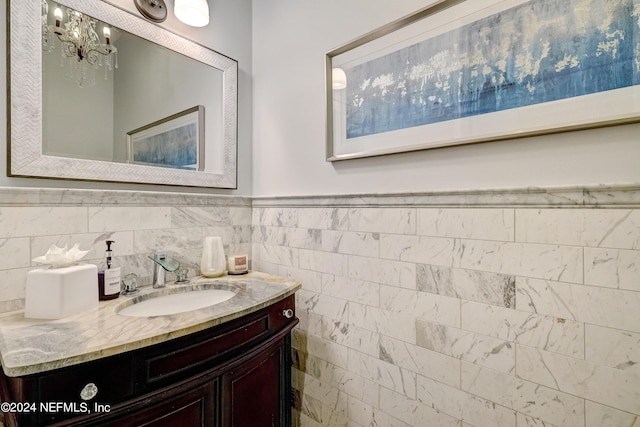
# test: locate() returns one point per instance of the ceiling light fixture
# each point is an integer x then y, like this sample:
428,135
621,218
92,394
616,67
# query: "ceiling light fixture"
153,10
192,12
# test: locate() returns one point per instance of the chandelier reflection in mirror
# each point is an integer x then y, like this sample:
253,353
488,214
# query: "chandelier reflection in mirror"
79,43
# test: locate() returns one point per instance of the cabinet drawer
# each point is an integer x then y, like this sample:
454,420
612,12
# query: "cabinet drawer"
205,350
108,380
112,378
171,363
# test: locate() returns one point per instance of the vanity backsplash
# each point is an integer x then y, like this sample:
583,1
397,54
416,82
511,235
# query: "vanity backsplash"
141,223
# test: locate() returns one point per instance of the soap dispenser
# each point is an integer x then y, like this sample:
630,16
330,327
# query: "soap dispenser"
108,276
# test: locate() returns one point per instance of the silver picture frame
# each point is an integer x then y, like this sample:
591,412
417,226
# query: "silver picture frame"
411,84
175,142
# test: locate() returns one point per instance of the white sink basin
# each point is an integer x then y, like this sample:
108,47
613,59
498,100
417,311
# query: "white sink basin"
177,303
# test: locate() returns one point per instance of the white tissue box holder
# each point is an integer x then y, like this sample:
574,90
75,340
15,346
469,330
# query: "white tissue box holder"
53,293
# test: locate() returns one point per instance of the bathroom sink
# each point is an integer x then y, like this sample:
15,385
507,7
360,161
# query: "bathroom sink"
177,302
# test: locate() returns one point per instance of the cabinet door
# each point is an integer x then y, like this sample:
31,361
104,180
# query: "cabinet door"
254,394
195,407
181,406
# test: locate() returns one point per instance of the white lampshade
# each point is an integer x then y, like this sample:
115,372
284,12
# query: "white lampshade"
192,12
338,79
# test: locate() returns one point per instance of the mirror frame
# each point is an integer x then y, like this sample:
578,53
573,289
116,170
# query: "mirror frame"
25,157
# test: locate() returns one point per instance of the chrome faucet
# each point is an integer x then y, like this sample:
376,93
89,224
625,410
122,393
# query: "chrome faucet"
163,264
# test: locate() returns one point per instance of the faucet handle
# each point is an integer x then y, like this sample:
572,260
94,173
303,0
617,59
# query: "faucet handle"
130,282
181,275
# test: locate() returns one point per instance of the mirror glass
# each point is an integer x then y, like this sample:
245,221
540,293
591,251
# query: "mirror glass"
148,106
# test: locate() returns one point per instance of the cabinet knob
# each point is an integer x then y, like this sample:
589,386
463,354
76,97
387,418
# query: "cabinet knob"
288,313
89,391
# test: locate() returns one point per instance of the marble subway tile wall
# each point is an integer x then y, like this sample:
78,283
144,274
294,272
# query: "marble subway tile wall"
31,220
496,311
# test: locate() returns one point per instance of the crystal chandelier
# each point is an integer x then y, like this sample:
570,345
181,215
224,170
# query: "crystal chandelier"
79,44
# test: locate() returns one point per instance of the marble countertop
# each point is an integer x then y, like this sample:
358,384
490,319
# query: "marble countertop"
29,346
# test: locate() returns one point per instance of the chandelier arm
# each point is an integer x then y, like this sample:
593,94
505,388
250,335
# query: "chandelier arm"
69,49
103,49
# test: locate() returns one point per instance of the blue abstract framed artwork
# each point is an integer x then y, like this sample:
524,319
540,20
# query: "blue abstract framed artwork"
462,72
175,142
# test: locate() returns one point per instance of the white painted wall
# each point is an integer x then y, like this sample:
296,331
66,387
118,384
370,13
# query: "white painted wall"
290,39
66,118
229,32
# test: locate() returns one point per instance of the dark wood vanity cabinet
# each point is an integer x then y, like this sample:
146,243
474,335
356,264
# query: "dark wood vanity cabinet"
235,374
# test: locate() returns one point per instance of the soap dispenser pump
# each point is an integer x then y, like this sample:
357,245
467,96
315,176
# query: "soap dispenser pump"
108,276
